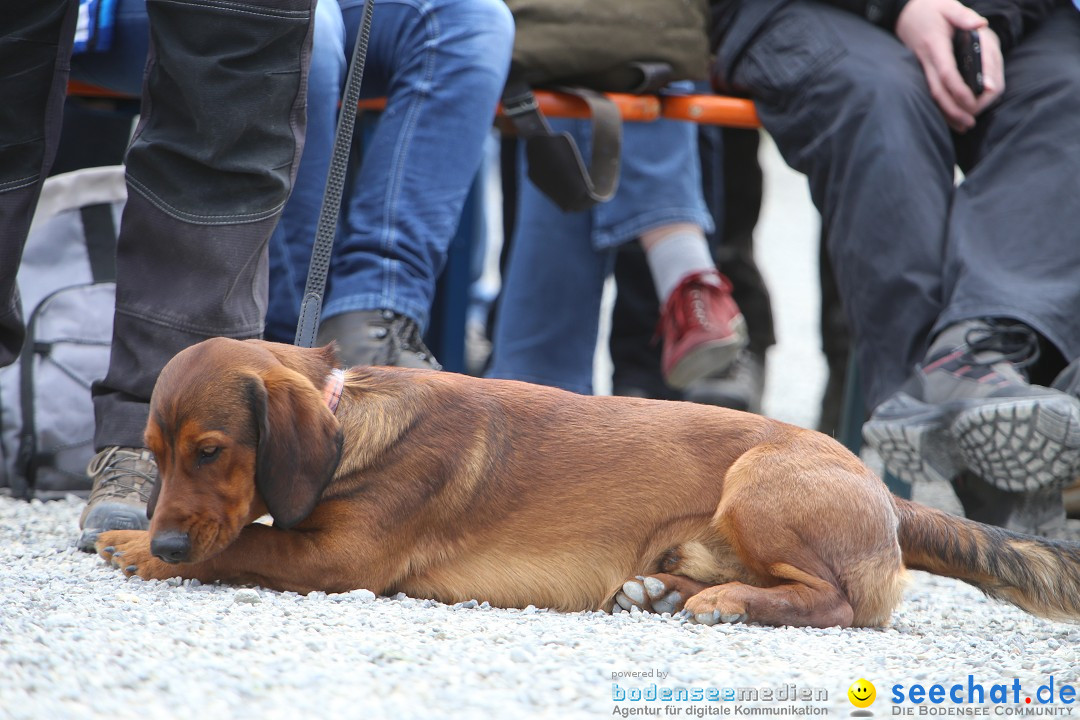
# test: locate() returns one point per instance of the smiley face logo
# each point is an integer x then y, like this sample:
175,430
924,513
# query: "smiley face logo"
862,693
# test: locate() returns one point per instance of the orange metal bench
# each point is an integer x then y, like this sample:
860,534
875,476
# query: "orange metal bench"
705,109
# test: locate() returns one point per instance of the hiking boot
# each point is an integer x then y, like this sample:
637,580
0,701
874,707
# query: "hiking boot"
702,329
740,387
377,337
1068,380
969,406
123,478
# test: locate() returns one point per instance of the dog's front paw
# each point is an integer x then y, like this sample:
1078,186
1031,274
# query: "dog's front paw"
129,550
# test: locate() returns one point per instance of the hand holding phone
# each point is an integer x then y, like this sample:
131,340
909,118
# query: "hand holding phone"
968,51
962,83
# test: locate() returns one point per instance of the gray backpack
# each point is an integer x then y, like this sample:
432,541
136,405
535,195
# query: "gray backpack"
66,281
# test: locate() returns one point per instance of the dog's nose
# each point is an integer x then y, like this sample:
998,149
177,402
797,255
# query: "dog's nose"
171,546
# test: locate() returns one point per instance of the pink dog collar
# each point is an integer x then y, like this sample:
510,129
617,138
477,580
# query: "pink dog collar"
335,383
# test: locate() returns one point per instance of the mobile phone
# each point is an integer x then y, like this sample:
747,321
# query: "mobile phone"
969,59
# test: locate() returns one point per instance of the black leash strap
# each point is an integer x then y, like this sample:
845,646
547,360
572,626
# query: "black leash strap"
308,326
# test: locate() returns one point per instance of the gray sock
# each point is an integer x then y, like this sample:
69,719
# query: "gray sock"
675,257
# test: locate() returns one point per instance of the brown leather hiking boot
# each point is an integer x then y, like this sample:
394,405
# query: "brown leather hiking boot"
123,478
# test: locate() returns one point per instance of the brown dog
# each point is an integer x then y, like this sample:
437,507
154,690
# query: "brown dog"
449,487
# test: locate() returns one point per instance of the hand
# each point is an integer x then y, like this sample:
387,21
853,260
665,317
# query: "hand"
927,27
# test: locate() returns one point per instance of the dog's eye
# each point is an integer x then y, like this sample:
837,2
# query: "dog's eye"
208,454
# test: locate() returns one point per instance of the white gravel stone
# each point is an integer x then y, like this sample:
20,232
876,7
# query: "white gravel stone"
247,595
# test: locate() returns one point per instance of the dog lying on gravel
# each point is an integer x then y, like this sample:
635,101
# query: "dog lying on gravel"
450,487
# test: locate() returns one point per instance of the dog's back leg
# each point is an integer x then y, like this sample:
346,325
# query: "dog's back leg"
806,601
803,535
816,534
792,597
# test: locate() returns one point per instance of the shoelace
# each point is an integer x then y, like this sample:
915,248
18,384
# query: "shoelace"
412,341
679,315
121,475
1015,343
405,332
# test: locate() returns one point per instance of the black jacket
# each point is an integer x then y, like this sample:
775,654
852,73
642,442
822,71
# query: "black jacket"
736,21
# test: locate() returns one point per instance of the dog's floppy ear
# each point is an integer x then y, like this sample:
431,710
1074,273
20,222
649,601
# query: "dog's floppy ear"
299,444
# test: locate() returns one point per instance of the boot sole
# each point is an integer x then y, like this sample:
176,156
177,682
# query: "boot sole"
1023,445
1016,445
911,443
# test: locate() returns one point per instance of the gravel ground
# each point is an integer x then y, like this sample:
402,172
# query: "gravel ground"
77,640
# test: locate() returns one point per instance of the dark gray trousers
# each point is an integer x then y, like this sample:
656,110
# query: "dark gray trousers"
848,106
209,169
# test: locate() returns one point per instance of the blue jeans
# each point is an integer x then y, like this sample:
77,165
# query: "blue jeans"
549,309
441,64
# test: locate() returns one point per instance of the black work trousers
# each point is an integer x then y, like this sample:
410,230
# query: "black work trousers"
209,169
848,105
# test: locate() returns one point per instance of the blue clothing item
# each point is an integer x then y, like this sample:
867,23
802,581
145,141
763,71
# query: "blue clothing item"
549,310
120,68
441,64
94,27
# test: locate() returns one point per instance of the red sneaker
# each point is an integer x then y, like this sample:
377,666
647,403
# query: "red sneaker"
702,329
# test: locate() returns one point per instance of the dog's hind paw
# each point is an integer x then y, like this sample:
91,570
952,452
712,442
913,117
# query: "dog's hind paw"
714,617
660,593
633,591
713,607
668,603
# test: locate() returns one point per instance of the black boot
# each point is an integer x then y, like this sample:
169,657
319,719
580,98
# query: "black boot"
377,337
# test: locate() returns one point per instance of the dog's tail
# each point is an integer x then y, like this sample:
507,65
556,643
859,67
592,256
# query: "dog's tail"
1038,575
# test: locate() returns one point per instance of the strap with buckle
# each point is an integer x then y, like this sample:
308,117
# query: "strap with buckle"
556,166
